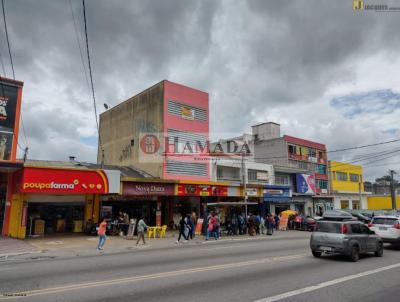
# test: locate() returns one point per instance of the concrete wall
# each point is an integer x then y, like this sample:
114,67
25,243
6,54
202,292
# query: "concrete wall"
272,151
121,128
382,202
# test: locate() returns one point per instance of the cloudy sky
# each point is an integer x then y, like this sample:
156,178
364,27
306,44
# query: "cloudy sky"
323,71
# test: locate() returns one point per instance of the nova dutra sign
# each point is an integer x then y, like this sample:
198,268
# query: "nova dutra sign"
305,183
147,188
42,180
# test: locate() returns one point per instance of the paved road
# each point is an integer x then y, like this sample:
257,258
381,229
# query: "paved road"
274,270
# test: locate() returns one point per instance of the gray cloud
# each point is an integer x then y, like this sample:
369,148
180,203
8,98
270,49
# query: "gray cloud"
259,60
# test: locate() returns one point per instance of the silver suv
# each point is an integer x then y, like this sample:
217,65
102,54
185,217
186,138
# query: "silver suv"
350,238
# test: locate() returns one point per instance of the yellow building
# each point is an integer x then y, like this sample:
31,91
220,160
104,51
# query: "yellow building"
382,202
346,181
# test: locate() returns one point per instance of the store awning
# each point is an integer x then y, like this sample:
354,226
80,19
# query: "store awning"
226,203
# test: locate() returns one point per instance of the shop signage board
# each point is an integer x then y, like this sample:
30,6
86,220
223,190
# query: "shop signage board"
305,183
283,223
199,226
48,180
252,192
147,188
10,105
202,190
277,193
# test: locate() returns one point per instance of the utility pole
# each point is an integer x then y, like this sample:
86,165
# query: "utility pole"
392,189
244,183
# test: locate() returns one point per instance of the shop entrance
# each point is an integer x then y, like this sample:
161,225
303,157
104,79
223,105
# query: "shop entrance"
50,218
134,208
3,193
280,208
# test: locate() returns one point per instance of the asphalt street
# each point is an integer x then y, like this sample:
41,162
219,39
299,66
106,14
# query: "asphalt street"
260,269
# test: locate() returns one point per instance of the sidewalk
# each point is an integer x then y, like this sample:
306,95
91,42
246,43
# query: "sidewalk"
72,245
12,247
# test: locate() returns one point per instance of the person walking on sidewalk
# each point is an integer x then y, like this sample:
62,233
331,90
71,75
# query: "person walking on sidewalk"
277,220
102,233
141,229
262,225
270,223
182,228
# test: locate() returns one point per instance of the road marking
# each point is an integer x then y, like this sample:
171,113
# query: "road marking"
53,290
326,284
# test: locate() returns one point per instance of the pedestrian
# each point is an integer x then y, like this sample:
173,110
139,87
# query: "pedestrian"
252,225
190,224
194,221
277,221
102,233
241,224
262,225
182,229
212,229
269,223
141,229
258,221
234,224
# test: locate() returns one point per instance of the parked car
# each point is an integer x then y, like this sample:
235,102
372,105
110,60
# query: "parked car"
304,223
361,217
387,227
347,237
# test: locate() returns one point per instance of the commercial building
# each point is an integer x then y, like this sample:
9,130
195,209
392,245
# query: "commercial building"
161,131
10,107
382,202
347,186
56,197
300,167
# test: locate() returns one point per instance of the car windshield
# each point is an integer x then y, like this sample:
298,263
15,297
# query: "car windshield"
387,221
328,227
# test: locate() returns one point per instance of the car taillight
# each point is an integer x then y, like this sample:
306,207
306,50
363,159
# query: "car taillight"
369,224
397,226
345,229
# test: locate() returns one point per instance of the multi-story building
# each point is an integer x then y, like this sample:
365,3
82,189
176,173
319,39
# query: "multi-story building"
300,168
160,131
347,186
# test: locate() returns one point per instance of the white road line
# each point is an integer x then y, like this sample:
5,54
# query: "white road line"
326,284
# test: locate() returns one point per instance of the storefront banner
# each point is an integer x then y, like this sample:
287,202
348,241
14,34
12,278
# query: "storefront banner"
202,190
43,180
147,188
277,193
306,183
252,192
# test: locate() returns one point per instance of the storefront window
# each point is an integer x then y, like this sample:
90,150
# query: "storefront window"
344,204
356,204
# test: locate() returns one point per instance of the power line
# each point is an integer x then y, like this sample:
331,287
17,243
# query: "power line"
12,65
79,45
364,146
8,41
91,76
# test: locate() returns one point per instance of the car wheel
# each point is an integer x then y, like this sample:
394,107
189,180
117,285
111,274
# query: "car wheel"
379,250
316,254
355,254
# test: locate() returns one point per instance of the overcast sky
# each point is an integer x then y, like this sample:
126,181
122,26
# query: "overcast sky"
323,71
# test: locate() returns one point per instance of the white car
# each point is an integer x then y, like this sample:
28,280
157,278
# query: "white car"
386,227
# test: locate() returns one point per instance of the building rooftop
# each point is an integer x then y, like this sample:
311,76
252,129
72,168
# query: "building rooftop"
304,142
127,171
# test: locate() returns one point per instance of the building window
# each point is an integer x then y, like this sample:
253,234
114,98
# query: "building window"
220,172
252,174
344,204
341,176
356,204
281,180
302,165
354,177
322,184
321,169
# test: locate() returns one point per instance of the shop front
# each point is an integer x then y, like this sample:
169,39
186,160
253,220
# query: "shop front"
277,198
149,199
57,200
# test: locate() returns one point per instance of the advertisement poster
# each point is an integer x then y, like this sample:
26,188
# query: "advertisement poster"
202,190
8,107
306,183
